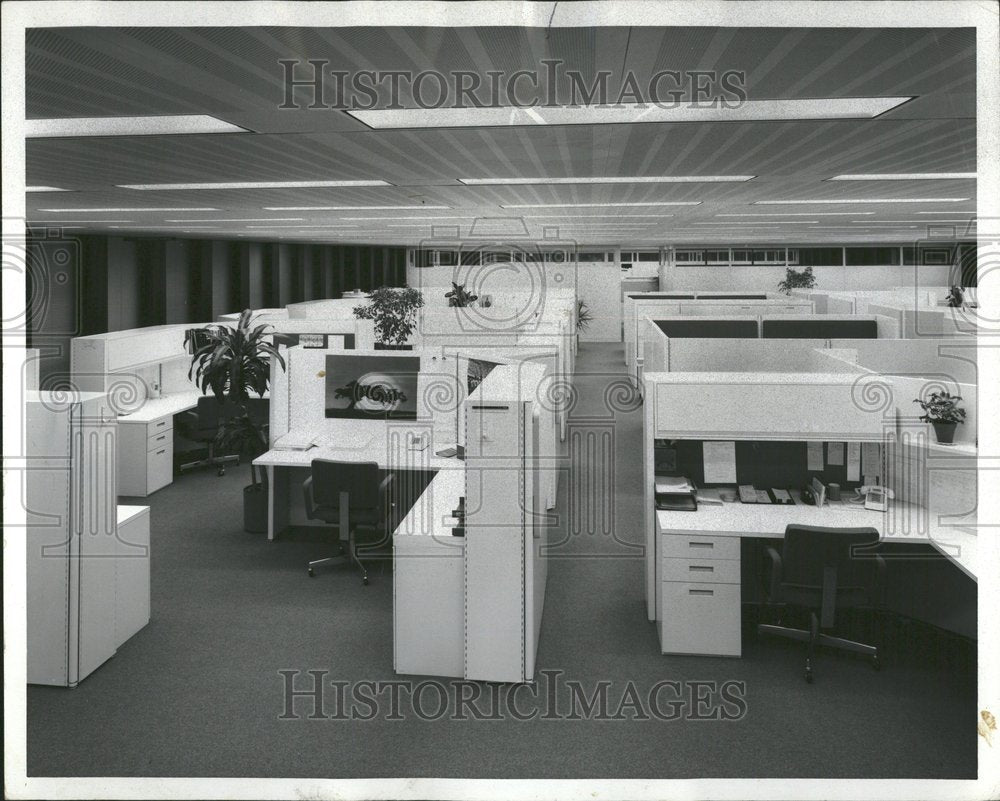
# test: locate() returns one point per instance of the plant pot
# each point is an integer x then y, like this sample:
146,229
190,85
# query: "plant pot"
255,509
945,432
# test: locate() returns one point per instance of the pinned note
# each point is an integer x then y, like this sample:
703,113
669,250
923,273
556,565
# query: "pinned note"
720,462
835,453
871,461
853,461
814,457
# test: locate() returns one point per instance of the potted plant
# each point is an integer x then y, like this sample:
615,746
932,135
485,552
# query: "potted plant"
459,296
797,279
394,312
942,411
234,363
955,298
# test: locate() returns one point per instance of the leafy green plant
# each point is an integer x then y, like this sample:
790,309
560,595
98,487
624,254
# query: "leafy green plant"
941,407
233,363
955,297
584,316
394,312
459,296
797,279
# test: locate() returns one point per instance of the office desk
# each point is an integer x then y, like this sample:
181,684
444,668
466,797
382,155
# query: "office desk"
146,443
387,447
698,568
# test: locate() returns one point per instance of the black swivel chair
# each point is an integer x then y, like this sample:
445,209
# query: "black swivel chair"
202,425
352,496
822,570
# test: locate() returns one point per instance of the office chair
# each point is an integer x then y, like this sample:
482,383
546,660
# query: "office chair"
350,496
202,425
822,570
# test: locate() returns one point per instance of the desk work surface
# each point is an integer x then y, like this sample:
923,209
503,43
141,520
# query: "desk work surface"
154,408
364,446
902,523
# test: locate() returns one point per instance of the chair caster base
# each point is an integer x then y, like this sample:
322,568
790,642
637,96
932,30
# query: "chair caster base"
876,665
365,581
809,677
312,573
221,471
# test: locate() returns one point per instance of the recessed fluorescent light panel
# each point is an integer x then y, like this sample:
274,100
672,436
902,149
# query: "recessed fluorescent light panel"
660,179
129,126
96,211
863,200
44,189
903,176
597,205
255,185
800,214
973,213
243,219
832,108
350,208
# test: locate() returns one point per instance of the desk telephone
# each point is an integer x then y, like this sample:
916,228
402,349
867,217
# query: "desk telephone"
876,498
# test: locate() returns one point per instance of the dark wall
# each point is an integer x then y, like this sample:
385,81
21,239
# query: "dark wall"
94,284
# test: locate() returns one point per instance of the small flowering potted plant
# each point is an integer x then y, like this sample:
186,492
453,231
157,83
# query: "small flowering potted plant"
943,412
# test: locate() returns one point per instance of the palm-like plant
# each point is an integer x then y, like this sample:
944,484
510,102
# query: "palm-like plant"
460,296
584,317
233,363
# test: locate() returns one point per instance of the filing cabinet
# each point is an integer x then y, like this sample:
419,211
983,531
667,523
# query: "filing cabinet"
145,455
699,594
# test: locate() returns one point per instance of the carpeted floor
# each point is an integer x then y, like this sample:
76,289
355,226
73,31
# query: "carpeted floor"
198,691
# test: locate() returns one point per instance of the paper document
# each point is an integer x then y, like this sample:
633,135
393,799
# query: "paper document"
720,462
666,484
853,461
294,441
834,453
871,462
814,457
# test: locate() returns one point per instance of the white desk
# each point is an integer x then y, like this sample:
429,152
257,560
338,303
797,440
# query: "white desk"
154,408
697,591
146,443
387,447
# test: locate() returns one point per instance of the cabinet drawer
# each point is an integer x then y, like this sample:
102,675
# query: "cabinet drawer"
159,425
696,546
713,571
157,441
159,467
700,618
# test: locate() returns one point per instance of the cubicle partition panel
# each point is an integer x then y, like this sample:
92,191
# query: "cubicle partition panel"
819,327
735,355
954,358
839,305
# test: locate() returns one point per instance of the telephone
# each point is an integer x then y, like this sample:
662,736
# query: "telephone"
876,498
806,494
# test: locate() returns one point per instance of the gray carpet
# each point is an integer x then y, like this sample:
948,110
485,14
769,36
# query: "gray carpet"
198,691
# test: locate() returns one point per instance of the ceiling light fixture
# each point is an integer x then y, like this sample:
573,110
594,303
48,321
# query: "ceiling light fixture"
798,214
830,108
655,179
243,219
130,210
903,176
598,205
129,126
254,185
862,200
349,208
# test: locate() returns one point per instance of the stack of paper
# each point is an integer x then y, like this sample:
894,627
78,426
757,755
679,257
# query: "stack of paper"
295,441
669,484
675,493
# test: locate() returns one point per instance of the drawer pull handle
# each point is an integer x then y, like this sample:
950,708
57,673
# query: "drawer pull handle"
163,451
701,544
701,592
161,424
701,568
161,437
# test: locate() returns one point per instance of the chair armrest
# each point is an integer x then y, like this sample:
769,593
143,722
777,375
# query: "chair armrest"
879,581
774,588
307,497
